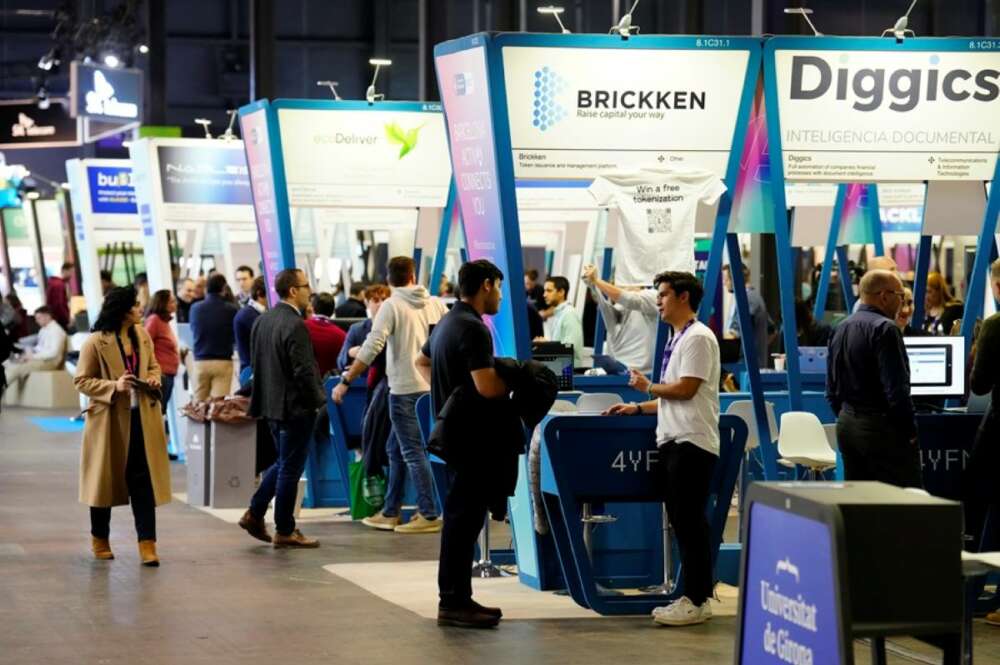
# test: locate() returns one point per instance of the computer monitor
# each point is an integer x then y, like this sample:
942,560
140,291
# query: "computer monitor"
557,357
937,366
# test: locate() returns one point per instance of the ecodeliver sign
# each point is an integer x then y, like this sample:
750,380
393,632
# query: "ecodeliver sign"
867,110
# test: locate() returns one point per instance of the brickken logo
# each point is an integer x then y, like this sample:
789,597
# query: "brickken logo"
464,84
549,106
547,110
867,88
102,101
26,127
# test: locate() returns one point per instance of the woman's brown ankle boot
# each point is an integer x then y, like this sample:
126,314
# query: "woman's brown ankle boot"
101,548
147,552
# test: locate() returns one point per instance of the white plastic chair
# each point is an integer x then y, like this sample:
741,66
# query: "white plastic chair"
802,441
597,402
743,409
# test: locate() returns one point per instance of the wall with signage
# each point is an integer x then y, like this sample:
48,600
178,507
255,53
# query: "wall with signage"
24,125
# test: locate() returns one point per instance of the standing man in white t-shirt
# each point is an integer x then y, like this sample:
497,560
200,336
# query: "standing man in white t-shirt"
686,404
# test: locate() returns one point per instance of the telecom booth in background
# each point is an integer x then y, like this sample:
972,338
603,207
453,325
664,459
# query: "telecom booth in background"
518,111
196,214
331,180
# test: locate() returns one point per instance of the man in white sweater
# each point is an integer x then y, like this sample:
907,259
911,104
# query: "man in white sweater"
403,323
47,353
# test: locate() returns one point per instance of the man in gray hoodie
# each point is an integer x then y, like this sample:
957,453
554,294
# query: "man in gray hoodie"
403,324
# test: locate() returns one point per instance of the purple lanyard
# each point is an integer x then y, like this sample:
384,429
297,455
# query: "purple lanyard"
668,350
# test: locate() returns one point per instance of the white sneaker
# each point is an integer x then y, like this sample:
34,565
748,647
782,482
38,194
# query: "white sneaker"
682,612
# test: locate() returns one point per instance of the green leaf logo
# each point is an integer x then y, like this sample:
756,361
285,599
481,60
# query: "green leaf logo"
407,139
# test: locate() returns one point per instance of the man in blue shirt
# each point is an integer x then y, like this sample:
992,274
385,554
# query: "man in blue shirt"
244,320
212,329
868,387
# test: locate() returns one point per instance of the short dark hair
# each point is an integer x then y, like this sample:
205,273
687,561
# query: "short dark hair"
141,278
380,291
216,284
259,288
531,274
69,265
682,282
559,283
472,275
285,280
357,289
158,303
106,276
246,269
324,304
401,270
43,310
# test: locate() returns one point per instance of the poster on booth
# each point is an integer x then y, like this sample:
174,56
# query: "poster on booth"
578,113
901,206
111,190
275,250
465,92
788,602
211,174
343,158
888,115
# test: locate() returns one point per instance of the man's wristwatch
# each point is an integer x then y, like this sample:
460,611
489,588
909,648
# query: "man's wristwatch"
638,409
344,381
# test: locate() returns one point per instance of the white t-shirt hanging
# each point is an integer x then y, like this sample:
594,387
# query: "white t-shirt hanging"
658,211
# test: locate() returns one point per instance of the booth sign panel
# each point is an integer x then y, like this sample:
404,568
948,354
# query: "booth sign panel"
465,91
924,110
789,599
577,113
273,249
106,93
24,125
365,157
111,190
204,175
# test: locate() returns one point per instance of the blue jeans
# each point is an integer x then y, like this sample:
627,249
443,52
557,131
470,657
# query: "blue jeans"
406,451
281,481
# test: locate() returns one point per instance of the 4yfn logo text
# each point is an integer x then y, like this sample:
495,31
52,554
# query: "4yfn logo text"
813,78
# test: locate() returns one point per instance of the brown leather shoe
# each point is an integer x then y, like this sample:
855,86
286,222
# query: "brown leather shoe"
101,548
147,552
294,539
255,526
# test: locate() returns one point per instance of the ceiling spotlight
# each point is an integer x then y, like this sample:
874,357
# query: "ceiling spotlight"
42,97
111,60
624,26
333,88
901,30
49,60
554,11
370,95
804,12
142,48
204,122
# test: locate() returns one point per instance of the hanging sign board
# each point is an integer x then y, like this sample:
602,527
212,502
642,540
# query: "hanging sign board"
24,125
577,113
340,154
874,110
106,93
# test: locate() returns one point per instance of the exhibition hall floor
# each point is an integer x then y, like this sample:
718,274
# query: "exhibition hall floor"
221,597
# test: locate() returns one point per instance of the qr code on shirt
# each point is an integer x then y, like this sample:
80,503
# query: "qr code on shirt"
659,220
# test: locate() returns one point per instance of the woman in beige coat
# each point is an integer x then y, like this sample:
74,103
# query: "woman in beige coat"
124,455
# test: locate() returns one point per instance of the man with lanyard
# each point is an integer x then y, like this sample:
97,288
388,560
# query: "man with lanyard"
686,404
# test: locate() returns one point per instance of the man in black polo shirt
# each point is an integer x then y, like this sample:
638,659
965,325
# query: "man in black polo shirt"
460,353
868,387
